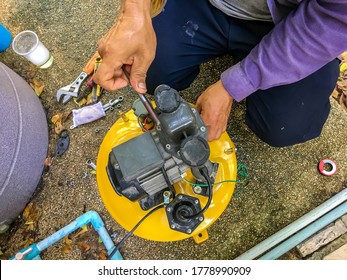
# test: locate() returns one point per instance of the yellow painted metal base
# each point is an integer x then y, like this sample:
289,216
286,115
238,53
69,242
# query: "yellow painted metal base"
156,226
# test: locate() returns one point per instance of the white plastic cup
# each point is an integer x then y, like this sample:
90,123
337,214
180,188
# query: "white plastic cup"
27,44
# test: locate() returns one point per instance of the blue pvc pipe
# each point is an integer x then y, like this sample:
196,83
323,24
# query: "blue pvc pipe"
292,228
89,217
305,233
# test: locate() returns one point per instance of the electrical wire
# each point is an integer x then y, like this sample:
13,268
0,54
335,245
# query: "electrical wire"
120,244
206,185
241,170
204,173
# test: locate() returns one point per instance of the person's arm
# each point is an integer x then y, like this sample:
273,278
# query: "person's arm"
130,42
308,38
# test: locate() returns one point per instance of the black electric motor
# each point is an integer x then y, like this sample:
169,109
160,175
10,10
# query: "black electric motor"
145,167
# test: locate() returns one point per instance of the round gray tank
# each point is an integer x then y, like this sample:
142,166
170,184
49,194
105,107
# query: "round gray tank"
23,144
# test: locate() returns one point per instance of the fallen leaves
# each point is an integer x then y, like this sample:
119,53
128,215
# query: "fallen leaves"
87,240
67,248
340,92
31,215
57,120
37,86
47,163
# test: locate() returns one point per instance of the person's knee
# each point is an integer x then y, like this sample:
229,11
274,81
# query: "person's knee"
282,136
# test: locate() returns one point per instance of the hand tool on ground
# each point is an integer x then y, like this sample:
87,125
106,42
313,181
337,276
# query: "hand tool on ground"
112,103
96,90
86,91
21,255
91,164
64,94
145,102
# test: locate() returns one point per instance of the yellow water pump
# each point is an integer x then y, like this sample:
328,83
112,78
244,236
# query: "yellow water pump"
169,171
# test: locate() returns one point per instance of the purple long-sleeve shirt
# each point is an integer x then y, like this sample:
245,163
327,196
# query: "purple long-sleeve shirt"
302,41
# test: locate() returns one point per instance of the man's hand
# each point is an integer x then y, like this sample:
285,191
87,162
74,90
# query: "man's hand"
214,106
131,42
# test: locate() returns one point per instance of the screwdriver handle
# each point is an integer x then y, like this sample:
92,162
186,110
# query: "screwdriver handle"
89,67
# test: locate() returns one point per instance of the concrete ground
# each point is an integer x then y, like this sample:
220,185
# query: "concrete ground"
283,184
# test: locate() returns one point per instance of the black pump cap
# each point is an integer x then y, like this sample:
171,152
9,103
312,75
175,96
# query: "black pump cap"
195,151
166,98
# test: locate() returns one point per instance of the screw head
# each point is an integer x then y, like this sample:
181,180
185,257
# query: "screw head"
197,189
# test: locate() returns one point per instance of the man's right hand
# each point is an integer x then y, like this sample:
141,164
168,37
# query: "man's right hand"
130,42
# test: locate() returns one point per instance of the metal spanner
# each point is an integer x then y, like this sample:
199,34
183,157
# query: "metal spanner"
22,255
112,103
91,164
64,94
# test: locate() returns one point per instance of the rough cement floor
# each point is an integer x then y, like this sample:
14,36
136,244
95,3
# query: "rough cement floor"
284,183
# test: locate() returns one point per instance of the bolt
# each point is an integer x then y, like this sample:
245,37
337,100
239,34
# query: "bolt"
201,219
189,231
228,150
123,116
180,196
197,189
168,146
168,209
173,226
196,201
202,129
166,194
97,130
193,110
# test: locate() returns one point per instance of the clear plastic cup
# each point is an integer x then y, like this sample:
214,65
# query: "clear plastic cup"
27,44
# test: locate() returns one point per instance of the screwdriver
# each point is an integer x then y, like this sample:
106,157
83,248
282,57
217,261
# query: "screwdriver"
145,102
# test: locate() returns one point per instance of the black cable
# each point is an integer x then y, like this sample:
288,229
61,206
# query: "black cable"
120,244
204,173
167,180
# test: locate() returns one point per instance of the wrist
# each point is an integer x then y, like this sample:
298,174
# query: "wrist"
223,90
136,8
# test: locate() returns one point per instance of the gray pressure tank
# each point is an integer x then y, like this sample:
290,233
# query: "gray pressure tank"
23,144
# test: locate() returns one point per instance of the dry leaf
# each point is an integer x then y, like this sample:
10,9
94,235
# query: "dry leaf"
84,247
82,230
81,103
57,120
38,86
67,240
102,256
30,226
344,56
335,94
32,213
343,67
66,249
26,243
47,163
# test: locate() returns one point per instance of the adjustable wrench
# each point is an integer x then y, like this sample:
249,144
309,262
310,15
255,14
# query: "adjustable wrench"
64,94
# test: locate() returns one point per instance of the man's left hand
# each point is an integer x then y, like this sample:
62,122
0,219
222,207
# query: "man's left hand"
214,106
